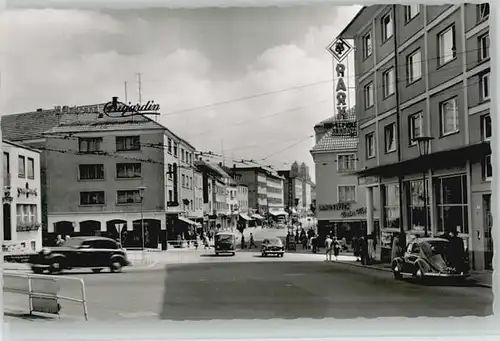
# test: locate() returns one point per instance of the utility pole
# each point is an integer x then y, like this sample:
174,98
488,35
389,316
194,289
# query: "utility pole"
139,82
126,97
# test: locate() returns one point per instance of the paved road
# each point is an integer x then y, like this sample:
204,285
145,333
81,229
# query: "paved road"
248,286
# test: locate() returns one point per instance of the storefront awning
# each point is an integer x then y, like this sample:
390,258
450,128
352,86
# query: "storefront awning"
257,216
244,216
277,213
187,221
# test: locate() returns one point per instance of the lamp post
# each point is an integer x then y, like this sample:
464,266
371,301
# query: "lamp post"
423,144
141,195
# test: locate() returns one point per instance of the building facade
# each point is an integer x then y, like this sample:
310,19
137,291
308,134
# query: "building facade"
242,198
423,71
198,196
275,192
21,199
341,204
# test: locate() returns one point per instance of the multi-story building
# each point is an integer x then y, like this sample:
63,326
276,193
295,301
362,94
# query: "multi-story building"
198,196
275,190
340,203
292,192
21,199
102,173
298,189
423,80
242,197
186,190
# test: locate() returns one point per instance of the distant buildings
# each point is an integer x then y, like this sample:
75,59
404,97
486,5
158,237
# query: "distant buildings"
298,191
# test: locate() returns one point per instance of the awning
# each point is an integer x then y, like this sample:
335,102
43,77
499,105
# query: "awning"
187,221
257,216
244,216
277,213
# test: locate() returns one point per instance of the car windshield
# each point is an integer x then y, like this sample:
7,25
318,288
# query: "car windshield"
275,241
224,238
73,242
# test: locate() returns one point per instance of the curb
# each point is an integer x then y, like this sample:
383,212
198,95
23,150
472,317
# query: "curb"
14,312
478,284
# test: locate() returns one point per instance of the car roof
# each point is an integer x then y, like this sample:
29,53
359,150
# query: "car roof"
87,238
225,233
430,239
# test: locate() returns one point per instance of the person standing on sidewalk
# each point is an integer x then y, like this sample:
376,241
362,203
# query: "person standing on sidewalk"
328,247
336,248
252,242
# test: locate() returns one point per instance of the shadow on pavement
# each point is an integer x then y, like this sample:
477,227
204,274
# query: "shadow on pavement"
434,282
216,256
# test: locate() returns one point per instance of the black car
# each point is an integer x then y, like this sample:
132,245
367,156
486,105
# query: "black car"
95,253
273,246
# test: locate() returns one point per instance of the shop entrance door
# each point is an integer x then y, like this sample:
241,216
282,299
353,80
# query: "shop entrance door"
488,240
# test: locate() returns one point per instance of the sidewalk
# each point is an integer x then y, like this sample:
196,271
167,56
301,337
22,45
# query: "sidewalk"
480,278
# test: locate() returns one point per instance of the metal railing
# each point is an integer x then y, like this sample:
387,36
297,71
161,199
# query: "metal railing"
43,294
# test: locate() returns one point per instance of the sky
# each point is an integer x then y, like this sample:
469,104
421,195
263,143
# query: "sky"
269,66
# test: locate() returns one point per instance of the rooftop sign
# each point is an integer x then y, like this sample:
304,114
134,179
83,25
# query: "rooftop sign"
118,109
339,49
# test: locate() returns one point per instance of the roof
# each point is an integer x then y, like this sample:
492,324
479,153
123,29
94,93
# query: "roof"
28,126
351,115
20,145
329,143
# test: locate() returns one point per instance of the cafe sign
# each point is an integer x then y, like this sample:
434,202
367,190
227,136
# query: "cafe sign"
119,109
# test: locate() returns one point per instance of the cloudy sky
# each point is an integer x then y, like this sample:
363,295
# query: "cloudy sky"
188,59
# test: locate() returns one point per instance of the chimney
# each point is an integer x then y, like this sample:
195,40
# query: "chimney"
234,166
39,109
115,101
220,164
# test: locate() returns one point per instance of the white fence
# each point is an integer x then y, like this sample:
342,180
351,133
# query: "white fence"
44,291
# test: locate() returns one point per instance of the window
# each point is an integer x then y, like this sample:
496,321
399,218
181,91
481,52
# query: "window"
6,165
128,143
175,149
31,168
370,145
486,127
170,172
390,137
347,193
89,144
387,26
92,198
416,125
484,86
182,155
367,45
451,200
346,162
169,146
369,96
484,47
417,207
484,11
449,116
128,170
191,182
170,196
91,172
487,168
391,205
22,166
414,67
388,82
411,11
183,180
26,214
446,46
128,197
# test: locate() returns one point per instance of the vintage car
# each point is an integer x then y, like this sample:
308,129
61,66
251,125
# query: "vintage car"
272,246
426,258
225,242
95,253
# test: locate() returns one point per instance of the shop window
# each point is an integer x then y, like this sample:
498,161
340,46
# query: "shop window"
487,168
414,67
391,205
448,111
447,45
367,45
451,200
486,127
417,208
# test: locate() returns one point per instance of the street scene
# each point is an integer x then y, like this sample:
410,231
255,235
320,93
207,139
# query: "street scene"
191,165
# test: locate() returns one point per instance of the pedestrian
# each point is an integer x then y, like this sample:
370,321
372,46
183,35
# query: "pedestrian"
206,242
243,241
196,239
252,242
336,248
363,249
328,247
59,240
355,246
395,251
457,250
67,238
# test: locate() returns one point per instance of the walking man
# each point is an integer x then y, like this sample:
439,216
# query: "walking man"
328,247
252,242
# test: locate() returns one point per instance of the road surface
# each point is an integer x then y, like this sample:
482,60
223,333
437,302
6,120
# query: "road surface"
200,286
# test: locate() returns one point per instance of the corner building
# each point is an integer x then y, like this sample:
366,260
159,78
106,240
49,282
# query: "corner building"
424,71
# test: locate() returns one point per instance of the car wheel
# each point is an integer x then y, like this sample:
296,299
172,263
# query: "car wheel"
96,271
282,254
55,268
116,266
397,273
233,254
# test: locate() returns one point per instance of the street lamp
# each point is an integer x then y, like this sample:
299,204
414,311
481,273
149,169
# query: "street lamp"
141,195
423,144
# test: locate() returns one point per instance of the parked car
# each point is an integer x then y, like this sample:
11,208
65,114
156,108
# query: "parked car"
273,246
225,242
426,258
96,253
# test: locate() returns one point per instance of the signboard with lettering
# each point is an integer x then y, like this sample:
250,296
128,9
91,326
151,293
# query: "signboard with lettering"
342,206
119,109
339,49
